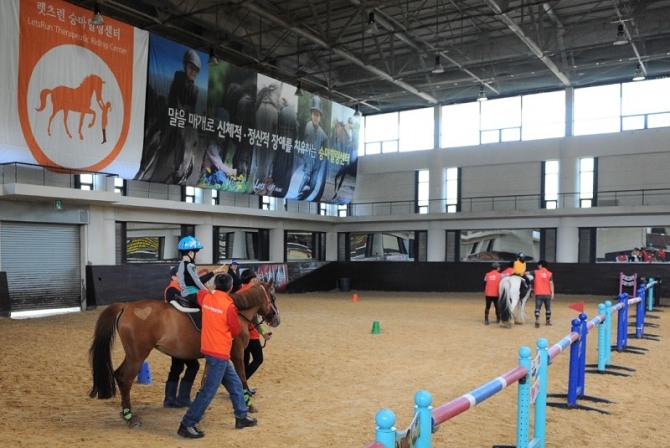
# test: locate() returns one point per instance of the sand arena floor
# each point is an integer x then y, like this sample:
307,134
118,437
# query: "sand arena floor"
325,376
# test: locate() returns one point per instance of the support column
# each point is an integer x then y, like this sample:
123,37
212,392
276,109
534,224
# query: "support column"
567,244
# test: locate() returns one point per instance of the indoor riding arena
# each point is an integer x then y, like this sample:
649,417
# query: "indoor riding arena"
326,375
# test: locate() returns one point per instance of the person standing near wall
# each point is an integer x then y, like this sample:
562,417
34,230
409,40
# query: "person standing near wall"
544,292
492,282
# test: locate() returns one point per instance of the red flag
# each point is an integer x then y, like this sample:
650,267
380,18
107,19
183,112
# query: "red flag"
579,306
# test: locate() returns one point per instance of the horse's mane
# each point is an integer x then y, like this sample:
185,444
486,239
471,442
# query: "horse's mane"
250,297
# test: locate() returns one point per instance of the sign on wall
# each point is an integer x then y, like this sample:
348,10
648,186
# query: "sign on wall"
75,88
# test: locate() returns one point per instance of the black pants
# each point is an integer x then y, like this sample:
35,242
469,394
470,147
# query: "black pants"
192,367
253,357
492,300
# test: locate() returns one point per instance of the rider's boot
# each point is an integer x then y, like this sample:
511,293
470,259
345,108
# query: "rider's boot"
548,323
184,398
170,400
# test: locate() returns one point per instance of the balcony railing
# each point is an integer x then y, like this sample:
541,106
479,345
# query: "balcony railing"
39,175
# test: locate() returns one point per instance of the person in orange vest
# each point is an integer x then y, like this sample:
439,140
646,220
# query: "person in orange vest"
253,354
491,284
183,399
544,291
220,325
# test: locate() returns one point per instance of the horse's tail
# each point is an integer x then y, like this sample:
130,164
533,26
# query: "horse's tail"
100,353
503,303
43,99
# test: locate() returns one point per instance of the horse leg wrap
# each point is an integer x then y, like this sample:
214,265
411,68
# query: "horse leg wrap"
247,397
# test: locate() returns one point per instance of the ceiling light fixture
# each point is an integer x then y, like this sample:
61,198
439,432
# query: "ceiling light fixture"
639,75
212,58
621,38
298,91
482,94
438,66
372,24
358,111
97,19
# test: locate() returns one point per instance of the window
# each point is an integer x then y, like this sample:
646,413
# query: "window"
381,133
550,184
543,115
188,194
453,187
84,181
422,191
388,246
460,125
264,202
323,208
343,210
120,186
215,197
417,129
500,120
597,110
642,106
586,182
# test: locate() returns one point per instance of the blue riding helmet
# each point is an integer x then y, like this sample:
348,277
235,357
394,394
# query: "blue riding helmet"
189,243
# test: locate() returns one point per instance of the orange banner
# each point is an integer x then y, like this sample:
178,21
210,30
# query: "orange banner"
75,85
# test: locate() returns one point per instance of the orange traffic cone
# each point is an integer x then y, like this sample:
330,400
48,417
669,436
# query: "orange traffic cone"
354,298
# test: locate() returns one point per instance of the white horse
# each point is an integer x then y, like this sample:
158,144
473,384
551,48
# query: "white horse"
510,302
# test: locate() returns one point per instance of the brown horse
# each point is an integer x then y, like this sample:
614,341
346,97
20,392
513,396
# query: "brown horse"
148,324
76,99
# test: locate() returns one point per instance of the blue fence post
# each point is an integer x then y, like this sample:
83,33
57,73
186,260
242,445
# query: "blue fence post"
583,333
540,430
602,338
523,400
640,312
385,433
608,332
423,400
622,323
573,373
650,294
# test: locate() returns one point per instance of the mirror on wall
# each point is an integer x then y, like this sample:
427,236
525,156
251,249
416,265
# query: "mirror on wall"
382,246
632,244
499,245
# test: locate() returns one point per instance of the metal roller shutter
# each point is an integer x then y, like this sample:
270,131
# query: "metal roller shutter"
42,262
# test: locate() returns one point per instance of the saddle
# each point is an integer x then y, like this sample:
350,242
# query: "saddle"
193,313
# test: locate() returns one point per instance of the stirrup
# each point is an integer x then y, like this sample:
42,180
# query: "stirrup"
182,308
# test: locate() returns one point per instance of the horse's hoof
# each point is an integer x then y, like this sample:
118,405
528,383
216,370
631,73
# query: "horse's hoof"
252,409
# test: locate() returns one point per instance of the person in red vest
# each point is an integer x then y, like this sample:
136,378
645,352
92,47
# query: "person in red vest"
544,291
491,284
508,270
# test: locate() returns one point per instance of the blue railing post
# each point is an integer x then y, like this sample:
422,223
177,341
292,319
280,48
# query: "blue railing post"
573,373
523,399
423,400
385,433
608,332
583,333
640,311
602,338
540,431
650,294
622,323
